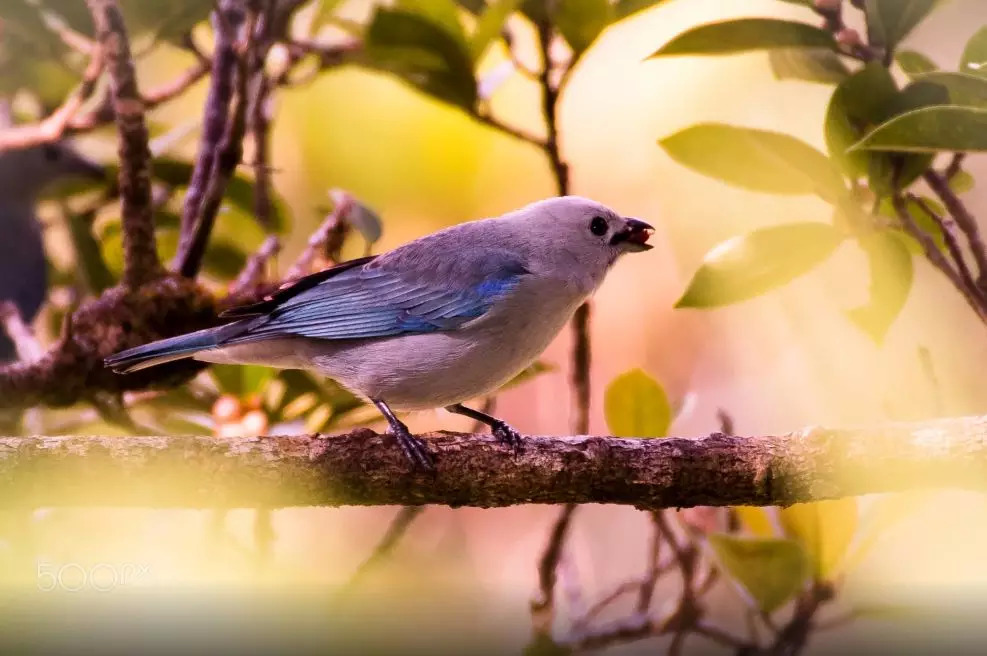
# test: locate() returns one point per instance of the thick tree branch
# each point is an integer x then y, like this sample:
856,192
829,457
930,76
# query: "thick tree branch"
364,468
141,262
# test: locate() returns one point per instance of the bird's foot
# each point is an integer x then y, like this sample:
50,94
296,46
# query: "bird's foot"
506,434
414,449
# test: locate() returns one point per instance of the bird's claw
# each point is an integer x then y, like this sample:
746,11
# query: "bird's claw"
506,434
414,450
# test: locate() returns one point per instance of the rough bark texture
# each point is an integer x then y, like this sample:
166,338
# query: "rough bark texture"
141,262
364,468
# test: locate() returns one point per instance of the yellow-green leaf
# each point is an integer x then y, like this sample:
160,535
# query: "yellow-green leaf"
914,63
745,34
891,275
581,21
930,130
889,21
974,59
808,64
489,24
824,529
756,520
759,160
750,265
770,570
635,405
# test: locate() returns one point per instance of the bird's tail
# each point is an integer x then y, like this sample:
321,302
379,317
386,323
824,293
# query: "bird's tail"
165,350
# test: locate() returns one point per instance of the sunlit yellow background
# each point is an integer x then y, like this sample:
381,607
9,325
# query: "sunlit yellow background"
776,363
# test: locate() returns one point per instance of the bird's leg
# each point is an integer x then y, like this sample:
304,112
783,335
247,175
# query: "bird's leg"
501,429
413,448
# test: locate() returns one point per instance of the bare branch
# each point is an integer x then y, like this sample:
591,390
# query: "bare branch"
141,262
227,19
52,127
253,272
328,238
935,257
364,468
964,219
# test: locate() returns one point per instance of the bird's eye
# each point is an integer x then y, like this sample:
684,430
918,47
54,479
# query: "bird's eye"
51,153
598,226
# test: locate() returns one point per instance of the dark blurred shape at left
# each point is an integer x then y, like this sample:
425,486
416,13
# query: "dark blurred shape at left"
24,174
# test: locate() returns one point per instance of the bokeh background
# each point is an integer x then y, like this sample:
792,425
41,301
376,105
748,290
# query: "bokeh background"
777,363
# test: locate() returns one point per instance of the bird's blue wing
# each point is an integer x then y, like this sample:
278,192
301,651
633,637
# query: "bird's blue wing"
390,297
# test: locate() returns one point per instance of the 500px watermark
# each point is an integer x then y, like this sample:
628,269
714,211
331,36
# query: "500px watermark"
92,577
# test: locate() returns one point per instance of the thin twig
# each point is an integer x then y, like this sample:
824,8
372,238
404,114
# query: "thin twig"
26,344
259,115
67,119
543,607
487,119
395,531
227,18
141,262
964,219
952,245
253,271
935,257
327,238
52,127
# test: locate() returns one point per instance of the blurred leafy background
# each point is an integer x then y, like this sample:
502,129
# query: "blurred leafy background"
796,356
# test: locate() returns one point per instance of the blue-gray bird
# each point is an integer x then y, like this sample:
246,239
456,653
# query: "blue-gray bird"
24,174
440,320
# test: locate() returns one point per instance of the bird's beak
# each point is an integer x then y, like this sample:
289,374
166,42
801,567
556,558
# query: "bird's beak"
634,236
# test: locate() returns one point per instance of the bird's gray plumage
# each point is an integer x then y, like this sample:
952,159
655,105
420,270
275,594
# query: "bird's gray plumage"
445,318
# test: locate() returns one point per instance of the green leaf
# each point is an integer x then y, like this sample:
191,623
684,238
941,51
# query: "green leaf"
879,518
365,221
89,258
423,54
858,102
929,130
239,191
914,63
745,34
890,21
808,64
758,160
750,265
771,570
533,371
824,529
961,182
756,520
164,19
635,405
442,13
241,380
324,13
863,101
891,275
224,259
961,88
489,24
974,58
926,223
626,8
581,21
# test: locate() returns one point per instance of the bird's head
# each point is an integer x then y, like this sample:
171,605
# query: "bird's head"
585,230
26,172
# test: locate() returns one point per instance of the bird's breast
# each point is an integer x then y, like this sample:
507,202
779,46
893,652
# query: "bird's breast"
428,370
